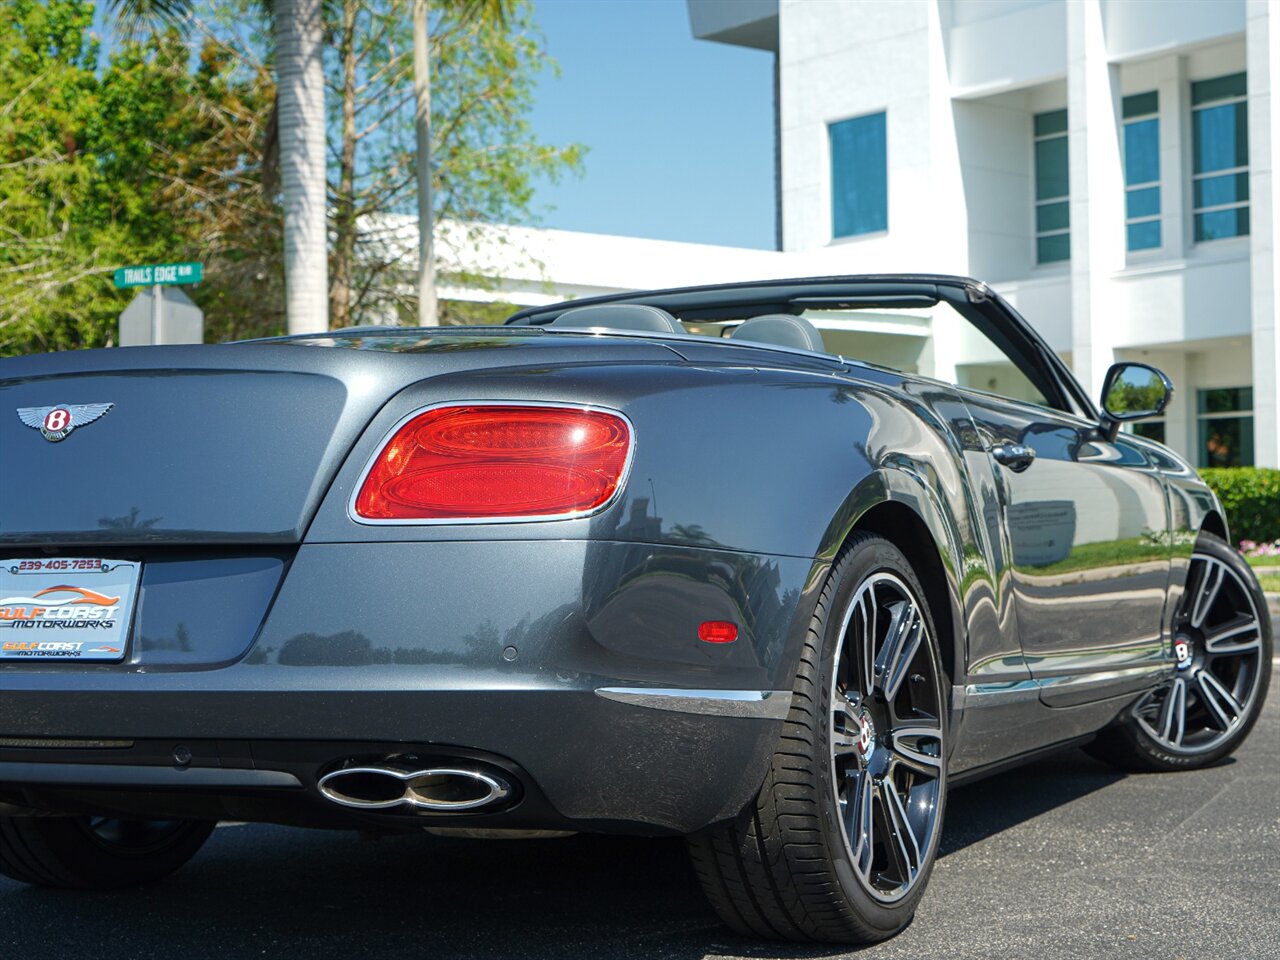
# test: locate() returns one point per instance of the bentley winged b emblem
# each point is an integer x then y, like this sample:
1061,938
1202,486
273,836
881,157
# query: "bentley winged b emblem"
57,422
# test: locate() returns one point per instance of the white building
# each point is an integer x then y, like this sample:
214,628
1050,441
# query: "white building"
1104,164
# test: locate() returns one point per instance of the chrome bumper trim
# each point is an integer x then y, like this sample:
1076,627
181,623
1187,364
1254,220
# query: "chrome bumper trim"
754,704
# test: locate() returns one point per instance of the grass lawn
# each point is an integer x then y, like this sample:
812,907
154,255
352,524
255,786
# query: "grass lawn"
1268,571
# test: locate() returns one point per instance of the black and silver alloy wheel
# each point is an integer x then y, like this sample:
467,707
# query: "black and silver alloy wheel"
1218,645
1222,650
840,842
886,737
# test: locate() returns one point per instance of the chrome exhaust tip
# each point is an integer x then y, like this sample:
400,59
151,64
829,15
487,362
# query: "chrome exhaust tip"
433,790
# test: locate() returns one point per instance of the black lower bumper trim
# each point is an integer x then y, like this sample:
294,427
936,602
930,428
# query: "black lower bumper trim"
132,775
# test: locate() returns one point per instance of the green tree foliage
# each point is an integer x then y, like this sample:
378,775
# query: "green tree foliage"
149,157
486,160
156,153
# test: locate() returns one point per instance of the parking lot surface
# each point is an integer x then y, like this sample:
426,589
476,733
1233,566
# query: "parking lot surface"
1063,858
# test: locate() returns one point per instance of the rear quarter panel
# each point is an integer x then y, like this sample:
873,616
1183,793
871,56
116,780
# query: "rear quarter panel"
732,459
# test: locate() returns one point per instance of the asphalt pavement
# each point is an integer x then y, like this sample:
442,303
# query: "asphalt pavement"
1061,859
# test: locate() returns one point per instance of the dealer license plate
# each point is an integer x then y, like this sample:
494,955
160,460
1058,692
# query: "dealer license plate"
66,608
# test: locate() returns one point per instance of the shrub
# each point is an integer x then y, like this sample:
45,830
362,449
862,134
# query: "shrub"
1251,500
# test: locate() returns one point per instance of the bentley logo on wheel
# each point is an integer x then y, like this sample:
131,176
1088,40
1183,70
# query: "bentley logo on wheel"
57,422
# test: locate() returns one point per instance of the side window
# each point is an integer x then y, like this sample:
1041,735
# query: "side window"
935,342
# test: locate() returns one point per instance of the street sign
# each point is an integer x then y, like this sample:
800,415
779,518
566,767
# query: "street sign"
153,274
170,317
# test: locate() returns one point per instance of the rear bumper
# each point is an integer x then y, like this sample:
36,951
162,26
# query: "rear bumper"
580,759
574,667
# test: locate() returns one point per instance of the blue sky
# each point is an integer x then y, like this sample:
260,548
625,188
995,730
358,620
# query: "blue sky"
680,131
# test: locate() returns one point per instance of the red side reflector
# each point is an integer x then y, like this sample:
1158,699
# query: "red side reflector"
718,631
486,462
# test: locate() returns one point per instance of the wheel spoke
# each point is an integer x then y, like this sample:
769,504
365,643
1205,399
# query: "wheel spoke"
1222,704
904,849
910,743
1207,592
844,741
1239,636
858,822
906,628
1173,713
866,650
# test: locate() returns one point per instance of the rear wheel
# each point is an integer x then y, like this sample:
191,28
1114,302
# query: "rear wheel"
842,838
96,853
1223,647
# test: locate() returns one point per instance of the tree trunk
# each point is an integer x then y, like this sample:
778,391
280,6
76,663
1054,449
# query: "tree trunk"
344,246
427,307
300,75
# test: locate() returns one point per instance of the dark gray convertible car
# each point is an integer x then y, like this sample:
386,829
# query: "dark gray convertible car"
770,566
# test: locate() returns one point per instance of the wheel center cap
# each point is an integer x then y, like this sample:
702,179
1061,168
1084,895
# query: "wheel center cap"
866,737
1183,651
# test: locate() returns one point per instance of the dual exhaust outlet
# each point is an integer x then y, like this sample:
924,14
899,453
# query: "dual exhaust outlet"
426,790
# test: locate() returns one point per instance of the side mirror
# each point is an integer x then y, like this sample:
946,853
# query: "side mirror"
1132,391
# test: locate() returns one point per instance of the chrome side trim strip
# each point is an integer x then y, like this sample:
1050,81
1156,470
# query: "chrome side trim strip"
1101,678
755,704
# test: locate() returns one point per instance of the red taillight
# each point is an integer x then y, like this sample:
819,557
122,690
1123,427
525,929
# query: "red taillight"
484,462
717,631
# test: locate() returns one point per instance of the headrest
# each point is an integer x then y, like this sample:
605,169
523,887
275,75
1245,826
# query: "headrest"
619,316
781,330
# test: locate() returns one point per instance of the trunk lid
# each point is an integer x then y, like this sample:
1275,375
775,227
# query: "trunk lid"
229,444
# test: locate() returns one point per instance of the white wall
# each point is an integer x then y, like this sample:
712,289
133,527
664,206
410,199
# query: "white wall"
1045,303
1181,301
1137,28
980,55
842,59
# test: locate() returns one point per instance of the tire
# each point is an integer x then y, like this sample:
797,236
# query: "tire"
1222,628
786,868
96,853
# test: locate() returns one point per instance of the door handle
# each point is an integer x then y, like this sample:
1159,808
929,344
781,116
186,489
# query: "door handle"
1016,456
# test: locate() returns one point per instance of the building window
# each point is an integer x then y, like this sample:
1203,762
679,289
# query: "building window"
1220,158
1225,421
859,176
1151,429
1053,216
1142,170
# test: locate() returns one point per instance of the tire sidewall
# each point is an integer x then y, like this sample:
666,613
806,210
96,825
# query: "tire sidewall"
88,863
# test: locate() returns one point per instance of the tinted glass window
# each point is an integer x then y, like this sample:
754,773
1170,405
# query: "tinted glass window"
1224,423
1142,170
1220,158
1052,187
859,176
1151,429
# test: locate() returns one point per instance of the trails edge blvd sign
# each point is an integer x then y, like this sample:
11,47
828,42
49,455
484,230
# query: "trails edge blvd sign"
152,274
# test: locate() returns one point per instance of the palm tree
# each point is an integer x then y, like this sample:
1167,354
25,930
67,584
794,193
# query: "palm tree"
493,11
299,34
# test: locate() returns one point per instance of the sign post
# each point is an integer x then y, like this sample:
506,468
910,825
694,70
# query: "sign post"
156,275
